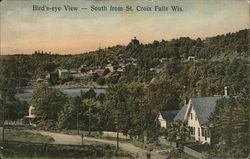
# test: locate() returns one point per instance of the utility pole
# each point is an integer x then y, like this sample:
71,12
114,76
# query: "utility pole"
117,133
77,123
3,125
117,127
90,118
2,102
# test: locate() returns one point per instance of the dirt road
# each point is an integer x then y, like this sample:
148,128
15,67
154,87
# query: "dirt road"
76,140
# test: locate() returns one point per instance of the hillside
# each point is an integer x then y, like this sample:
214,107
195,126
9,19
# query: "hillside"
217,61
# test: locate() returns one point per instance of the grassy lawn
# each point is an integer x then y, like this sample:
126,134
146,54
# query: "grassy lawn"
23,136
67,158
40,151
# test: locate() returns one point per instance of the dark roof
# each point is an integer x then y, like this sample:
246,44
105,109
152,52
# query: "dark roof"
168,115
181,113
204,107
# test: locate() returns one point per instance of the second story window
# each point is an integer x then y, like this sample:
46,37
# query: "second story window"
191,116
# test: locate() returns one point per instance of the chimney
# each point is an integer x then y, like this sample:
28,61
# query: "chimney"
225,91
186,100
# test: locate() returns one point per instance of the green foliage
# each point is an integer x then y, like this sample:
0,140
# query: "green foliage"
48,103
12,107
176,132
28,150
231,125
22,135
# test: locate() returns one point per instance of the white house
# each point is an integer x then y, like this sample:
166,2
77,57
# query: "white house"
191,58
62,72
196,112
31,115
164,117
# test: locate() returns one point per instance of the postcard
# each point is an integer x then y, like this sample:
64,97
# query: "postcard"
125,79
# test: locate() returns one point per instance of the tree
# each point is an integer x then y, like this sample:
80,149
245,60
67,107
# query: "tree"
70,116
48,103
159,94
176,132
231,125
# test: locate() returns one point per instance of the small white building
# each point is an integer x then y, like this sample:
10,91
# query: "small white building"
164,117
31,116
191,58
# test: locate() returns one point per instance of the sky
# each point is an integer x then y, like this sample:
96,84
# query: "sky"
72,32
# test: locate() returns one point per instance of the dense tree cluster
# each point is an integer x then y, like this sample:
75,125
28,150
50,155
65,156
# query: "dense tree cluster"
231,126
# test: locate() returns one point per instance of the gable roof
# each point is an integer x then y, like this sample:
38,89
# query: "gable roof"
181,114
203,106
169,115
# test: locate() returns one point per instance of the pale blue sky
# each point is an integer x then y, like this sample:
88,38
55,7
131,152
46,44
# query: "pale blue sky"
23,30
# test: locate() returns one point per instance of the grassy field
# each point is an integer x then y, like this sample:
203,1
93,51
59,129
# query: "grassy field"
23,136
67,158
31,150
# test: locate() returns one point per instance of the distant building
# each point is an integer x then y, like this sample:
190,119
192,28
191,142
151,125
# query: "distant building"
163,59
134,41
83,69
63,72
130,60
156,70
191,58
111,67
164,117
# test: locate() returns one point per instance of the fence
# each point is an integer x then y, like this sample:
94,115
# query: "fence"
184,149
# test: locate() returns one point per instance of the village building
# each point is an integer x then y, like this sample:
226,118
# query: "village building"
165,117
197,112
64,72
191,58
111,67
162,60
30,118
83,69
134,41
156,70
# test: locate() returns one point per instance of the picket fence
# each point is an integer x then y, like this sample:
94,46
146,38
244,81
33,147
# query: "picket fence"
184,149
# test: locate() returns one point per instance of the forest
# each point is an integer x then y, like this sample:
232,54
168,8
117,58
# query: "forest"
134,98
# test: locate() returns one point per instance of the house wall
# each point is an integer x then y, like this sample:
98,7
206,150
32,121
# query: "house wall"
162,122
31,111
194,123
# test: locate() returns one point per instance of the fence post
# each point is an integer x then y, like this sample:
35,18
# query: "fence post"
82,139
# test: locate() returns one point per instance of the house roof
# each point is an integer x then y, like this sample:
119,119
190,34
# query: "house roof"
181,113
168,115
63,70
203,106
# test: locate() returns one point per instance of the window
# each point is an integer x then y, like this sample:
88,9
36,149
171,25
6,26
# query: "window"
199,133
208,133
191,116
192,130
205,131
202,132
